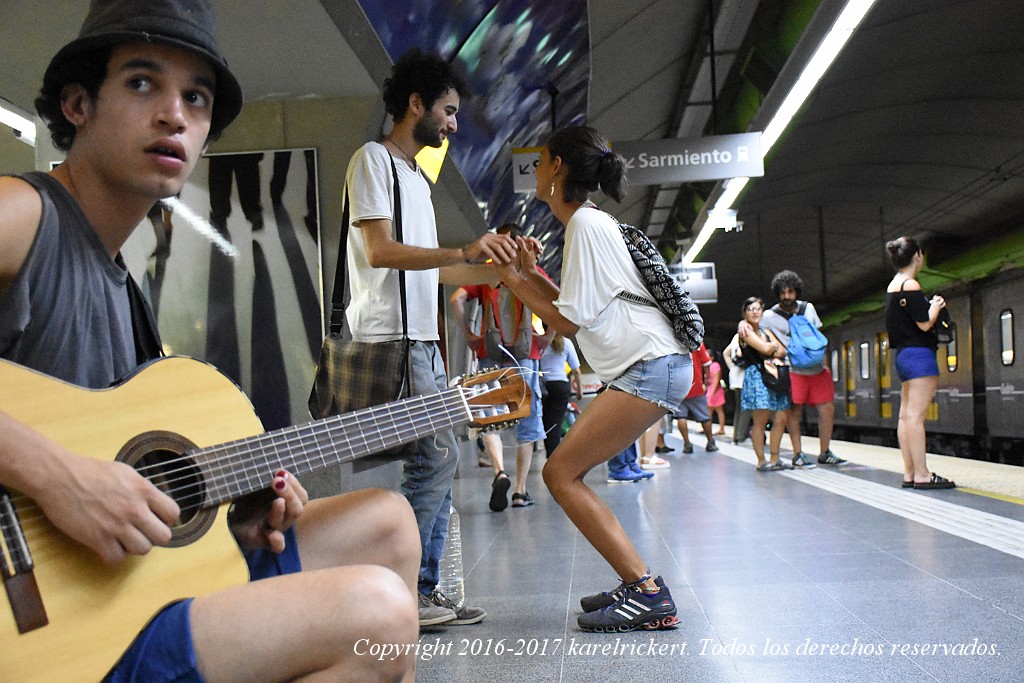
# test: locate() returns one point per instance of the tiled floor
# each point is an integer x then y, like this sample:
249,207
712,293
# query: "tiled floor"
804,576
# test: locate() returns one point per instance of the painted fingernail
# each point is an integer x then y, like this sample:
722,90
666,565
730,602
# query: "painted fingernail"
279,484
282,474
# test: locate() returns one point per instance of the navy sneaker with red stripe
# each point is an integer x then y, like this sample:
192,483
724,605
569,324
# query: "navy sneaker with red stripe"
592,603
632,610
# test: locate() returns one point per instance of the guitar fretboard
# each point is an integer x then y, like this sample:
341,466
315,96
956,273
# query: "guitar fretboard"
240,467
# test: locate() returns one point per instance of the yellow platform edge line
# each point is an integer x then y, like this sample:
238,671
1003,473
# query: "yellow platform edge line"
997,496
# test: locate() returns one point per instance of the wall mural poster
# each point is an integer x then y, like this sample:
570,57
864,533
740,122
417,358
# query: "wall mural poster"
257,317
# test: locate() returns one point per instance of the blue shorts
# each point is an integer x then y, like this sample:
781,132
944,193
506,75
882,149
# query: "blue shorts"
530,428
695,408
913,362
664,381
163,651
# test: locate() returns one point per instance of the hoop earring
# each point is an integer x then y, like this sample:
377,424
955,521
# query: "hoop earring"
552,190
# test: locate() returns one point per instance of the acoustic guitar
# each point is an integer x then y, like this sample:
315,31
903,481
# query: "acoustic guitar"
193,433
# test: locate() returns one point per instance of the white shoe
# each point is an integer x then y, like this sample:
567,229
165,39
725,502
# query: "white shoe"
653,462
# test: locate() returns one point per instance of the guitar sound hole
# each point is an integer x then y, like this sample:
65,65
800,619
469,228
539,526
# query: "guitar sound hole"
160,458
175,476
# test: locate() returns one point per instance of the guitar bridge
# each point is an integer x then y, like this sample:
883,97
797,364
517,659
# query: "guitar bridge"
17,568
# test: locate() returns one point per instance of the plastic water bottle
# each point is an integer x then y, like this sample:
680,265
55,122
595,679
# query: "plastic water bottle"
451,583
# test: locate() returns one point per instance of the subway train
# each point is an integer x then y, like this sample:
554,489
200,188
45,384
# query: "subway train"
977,410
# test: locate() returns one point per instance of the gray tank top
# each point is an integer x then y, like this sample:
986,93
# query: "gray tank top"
68,313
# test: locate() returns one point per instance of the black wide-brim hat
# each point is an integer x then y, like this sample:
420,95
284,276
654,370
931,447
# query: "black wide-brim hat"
185,24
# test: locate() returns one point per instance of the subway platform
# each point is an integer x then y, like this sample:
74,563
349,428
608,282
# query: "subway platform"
834,573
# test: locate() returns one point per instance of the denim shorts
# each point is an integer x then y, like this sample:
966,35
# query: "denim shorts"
913,362
664,381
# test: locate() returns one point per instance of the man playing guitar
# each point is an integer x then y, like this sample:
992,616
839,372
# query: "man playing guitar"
134,100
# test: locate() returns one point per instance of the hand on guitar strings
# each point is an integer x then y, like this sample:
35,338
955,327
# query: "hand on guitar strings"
259,520
109,507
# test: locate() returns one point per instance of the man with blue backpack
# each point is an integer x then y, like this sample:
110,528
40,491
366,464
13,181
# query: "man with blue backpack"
795,323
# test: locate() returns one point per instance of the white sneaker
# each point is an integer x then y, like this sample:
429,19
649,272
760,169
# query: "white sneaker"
653,462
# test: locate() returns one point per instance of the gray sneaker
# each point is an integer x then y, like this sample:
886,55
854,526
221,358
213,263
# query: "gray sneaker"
801,461
432,614
463,614
830,458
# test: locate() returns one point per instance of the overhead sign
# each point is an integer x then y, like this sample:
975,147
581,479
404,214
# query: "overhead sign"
524,161
697,279
672,160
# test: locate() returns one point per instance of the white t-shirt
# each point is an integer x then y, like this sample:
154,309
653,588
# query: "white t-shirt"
374,310
779,325
596,266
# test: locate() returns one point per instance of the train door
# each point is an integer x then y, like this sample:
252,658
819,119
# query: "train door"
850,377
884,377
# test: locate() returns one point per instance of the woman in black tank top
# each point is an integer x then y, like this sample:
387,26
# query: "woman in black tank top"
910,319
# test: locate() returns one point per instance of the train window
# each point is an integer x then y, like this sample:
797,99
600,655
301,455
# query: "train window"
951,354
1006,336
835,365
865,360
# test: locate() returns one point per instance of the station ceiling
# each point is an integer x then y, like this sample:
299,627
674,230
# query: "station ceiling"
918,127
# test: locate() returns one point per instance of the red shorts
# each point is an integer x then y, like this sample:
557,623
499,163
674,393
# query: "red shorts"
812,389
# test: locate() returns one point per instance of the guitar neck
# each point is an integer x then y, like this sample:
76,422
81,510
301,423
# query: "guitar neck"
237,468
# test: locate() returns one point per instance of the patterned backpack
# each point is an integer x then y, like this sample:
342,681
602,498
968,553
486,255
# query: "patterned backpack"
668,295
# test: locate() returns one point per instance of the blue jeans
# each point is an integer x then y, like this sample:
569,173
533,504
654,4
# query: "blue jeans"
428,473
531,427
622,462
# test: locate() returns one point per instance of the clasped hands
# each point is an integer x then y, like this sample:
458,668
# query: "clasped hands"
525,262
503,250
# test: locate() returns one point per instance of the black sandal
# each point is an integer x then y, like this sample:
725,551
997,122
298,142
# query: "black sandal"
936,482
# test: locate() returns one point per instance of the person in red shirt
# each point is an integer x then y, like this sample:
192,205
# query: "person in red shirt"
506,339
695,405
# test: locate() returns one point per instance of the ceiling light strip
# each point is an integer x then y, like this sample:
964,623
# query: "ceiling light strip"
25,128
842,30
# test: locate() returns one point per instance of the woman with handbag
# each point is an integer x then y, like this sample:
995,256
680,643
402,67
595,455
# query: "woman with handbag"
765,384
910,319
632,347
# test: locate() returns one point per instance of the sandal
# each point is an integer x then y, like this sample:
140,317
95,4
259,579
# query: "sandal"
907,484
936,482
499,492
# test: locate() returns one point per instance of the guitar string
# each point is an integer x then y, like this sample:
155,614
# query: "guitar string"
453,415
352,430
31,512
358,419
359,425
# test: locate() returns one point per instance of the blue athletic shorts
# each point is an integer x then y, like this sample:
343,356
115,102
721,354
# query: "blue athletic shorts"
163,651
695,408
664,381
913,362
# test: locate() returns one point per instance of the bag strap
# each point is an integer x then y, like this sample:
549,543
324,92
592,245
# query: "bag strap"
338,296
636,299
144,331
